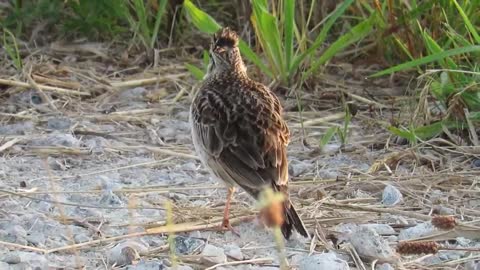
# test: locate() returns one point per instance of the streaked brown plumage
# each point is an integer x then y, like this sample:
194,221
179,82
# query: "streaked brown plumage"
238,129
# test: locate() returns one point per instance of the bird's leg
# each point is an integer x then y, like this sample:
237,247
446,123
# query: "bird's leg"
226,226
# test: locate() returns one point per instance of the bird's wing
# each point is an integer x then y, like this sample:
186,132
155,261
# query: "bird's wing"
245,136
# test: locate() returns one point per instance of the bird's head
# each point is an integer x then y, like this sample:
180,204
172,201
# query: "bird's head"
224,53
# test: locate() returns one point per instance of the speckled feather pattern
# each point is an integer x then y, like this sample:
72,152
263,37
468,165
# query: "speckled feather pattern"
238,129
236,116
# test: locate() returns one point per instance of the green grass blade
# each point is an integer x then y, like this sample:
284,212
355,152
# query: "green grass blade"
206,59
158,19
289,11
358,32
320,39
195,71
269,35
200,19
467,22
207,24
327,137
254,58
406,134
428,59
142,20
11,48
474,116
433,48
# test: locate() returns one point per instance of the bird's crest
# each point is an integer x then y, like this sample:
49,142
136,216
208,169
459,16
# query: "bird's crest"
225,38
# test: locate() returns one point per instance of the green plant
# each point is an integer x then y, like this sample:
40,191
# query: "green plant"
328,136
286,45
450,42
97,19
11,48
145,23
94,18
197,72
171,235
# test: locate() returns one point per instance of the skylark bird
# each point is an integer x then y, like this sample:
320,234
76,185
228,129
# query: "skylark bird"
239,132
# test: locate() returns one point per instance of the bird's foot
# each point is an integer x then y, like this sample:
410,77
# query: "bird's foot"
226,226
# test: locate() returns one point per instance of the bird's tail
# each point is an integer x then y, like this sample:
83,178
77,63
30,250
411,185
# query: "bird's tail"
291,221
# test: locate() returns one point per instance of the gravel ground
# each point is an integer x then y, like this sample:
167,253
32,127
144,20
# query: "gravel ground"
113,185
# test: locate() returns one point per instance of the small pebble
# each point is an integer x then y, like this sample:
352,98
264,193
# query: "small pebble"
21,128
234,251
212,254
476,163
136,93
472,265
391,196
382,229
297,167
125,253
36,238
384,266
57,139
370,245
187,245
11,258
419,230
59,123
324,261
81,238
109,198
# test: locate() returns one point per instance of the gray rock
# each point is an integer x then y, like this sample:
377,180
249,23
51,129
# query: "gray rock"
57,139
370,245
384,266
96,144
110,198
391,196
180,267
55,164
450,255
21,266
187,245
297,167
136,93
346,228
324,261
383,229
189,166
419,230
14,234
147,265
125,253
59,123
81,238
472,265
21,128
212,254
476,163
17,230
443,211
36,238
234,251
4,266
11,258
26,260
